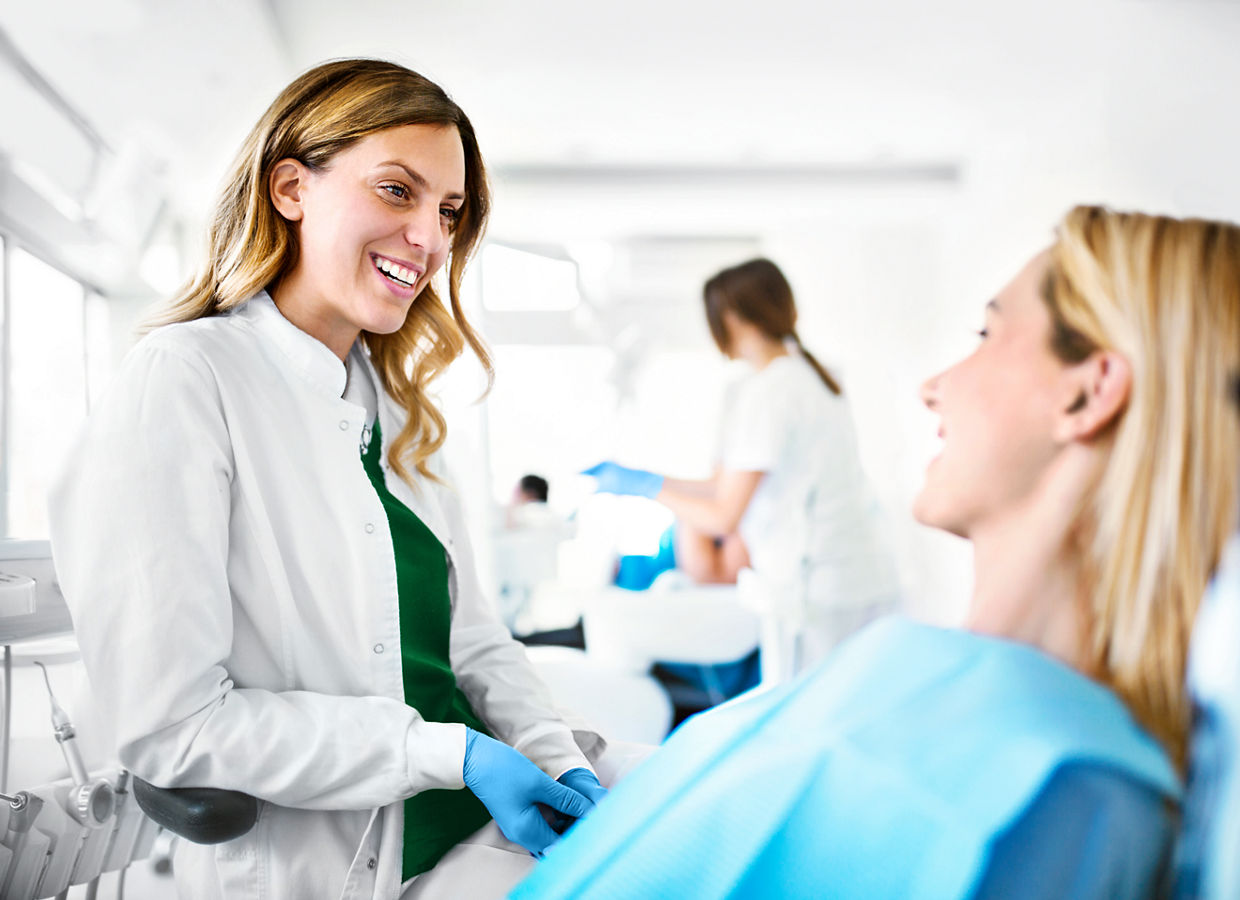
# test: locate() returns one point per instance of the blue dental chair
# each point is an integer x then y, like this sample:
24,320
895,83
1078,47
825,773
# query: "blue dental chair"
1208,856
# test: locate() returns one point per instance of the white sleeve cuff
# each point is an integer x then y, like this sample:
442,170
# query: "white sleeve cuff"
436,752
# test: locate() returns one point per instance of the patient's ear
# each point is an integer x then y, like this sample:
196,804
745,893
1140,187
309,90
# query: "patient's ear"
1100,386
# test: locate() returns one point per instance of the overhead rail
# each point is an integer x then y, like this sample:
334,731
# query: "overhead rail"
689,175
10,53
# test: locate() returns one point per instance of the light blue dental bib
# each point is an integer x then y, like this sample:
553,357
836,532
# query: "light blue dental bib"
884,773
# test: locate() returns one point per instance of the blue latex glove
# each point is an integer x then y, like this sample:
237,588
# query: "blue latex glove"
511,787
584,782
616,479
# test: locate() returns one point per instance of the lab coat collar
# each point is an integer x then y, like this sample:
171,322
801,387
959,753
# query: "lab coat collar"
312,361
367,392
310,358
362,383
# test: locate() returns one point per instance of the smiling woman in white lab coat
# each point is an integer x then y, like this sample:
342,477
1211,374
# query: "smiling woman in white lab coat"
270,579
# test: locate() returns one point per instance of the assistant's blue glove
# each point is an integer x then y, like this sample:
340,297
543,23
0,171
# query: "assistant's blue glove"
616,479
511,787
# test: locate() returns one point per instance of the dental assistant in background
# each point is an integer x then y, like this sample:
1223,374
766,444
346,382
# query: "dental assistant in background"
788,488
1089,455
269,574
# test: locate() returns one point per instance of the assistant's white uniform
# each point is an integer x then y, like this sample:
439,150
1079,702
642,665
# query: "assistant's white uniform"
231,576
812,523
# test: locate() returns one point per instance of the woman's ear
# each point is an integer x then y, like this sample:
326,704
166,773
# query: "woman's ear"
1101,385
287,182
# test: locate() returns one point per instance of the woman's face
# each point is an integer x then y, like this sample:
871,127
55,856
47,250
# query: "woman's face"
997,409
375,225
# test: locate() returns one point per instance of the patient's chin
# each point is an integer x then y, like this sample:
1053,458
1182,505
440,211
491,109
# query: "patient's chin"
934,514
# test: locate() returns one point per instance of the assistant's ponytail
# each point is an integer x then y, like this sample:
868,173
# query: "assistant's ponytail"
827,378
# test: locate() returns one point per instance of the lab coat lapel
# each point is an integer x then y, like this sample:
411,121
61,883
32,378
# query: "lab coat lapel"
424,502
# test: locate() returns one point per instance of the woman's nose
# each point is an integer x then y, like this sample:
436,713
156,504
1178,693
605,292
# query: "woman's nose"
930,391
425,229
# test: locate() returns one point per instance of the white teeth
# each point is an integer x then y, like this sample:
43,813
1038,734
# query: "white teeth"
396,272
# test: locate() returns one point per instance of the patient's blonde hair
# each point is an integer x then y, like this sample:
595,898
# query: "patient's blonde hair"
1165,294
251,246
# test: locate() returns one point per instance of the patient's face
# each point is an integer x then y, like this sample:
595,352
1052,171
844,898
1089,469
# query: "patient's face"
996,410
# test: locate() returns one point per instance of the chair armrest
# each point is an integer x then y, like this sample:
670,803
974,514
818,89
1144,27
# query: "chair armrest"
200,815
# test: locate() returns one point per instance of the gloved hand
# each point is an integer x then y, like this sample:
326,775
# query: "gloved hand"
584,782
510,787
616,479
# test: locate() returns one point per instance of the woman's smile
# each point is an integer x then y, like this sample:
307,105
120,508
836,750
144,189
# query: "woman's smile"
402,277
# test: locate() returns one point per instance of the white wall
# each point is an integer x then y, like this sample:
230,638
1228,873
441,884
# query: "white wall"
1035,106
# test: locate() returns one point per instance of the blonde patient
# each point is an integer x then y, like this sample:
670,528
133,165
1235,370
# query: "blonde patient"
1089,454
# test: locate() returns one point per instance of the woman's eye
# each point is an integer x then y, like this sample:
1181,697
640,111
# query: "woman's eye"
399,191
983,333
451,215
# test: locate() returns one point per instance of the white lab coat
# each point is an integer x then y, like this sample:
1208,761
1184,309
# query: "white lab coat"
812,527
231,576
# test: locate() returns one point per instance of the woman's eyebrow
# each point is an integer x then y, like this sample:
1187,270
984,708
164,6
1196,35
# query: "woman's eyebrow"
416,178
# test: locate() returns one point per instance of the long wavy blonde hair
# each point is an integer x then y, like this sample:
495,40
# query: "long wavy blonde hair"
250,246
1165,294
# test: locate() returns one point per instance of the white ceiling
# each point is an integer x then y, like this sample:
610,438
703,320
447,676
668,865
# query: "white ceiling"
1106,93
691,80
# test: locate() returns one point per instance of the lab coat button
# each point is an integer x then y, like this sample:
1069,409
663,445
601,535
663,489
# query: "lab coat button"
370,528
378,648
370,863
344,424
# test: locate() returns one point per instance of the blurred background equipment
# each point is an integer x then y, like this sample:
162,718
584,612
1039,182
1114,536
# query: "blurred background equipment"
58,826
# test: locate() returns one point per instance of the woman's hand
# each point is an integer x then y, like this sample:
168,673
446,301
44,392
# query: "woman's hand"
616,479
584,782
511,787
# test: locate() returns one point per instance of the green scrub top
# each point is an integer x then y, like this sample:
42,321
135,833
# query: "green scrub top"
435,820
